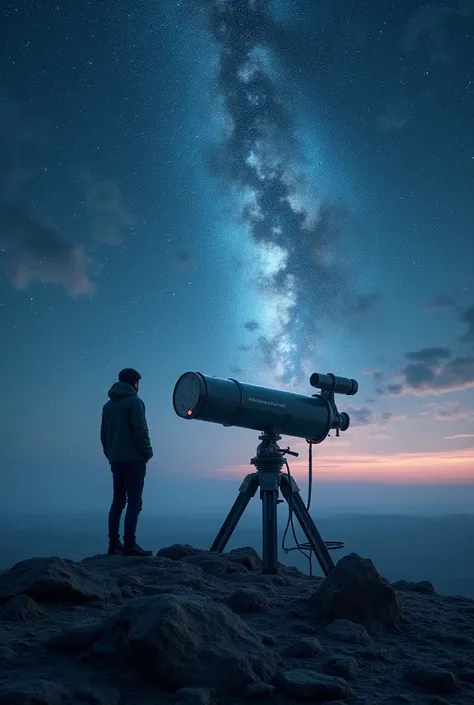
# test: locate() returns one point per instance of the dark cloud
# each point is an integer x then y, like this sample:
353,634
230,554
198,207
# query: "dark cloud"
440,302
366,416
252,325
260,155
363,304
185,260
433,22
432,371
428,355
35,250
32,247
467,317
110,219
394,117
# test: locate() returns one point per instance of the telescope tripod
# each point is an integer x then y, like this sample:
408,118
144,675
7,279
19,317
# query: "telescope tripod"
270,479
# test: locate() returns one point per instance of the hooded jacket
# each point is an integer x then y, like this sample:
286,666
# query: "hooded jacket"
124,431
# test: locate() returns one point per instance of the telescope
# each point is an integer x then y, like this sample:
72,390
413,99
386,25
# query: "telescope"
231,403
272,412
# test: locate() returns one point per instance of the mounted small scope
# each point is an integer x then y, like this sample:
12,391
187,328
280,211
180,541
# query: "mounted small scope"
331,383
232,403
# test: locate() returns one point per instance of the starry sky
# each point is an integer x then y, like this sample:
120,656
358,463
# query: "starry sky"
257,189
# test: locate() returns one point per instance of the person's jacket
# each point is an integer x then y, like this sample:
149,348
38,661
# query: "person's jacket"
124,431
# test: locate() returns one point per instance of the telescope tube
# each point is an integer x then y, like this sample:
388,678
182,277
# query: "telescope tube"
232,403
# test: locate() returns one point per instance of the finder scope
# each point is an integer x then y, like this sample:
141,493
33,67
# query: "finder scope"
232,403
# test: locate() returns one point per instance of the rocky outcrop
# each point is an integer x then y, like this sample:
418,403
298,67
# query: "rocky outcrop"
196,628
355,591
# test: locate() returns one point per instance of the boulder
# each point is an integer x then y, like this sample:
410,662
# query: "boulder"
55,580
249,600
247,557
179,641
423,586
310,685
433,678
194,696
348,632
35,692
343,666
20,609
177,551
76,639
306,647
354,590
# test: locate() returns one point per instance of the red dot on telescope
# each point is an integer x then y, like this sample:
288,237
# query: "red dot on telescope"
190,413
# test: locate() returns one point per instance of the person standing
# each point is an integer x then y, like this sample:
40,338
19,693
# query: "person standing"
126,444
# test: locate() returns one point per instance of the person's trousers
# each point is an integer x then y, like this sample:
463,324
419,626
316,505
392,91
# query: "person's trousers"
128,482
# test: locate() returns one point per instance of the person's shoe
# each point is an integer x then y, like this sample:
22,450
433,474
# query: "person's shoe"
115,548
135,550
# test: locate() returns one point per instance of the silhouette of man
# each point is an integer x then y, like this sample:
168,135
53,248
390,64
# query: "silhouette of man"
126,443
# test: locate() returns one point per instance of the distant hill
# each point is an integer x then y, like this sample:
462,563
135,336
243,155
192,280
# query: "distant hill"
438,549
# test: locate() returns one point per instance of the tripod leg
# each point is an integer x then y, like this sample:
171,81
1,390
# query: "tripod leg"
247,490
269,531
292,495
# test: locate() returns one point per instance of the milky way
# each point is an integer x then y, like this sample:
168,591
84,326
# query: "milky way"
260,154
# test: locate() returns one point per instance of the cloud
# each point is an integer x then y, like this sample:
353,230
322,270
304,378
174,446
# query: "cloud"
259,158
428,355
394,117
32,247
36,250
467,317
363,304
432,371
447,411
185,260
459,436
442,301
365,416
430,22
252,325
110,219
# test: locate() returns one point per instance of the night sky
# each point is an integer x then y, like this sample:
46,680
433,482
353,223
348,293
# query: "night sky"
244,188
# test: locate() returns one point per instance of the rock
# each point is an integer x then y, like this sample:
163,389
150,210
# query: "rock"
260,691
178,641
247,557
268,639
54,580
35,692
194,696
20,609
98,696
354,590
75,640
310,685
248,600
343,666
423,586
213,563
177,551
7,655
433,678
372,654
306,629
346,631
307,646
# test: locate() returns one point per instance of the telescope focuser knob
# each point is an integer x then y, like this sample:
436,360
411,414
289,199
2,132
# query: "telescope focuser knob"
289,452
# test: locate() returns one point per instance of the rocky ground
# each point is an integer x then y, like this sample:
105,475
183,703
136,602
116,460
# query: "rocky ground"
192,627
